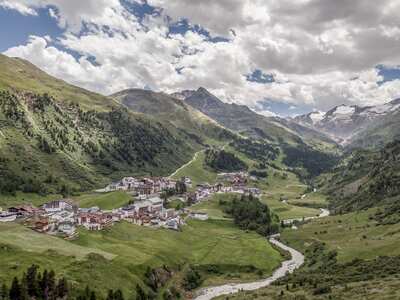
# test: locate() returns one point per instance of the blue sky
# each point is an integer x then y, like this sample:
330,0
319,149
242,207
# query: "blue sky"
258,54
16,28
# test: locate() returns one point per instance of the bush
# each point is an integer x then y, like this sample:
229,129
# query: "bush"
325,289
192,279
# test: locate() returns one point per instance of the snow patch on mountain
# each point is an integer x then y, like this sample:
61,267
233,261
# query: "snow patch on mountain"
385,108
317,116
345,110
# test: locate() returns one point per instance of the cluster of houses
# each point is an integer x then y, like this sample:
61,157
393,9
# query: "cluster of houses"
62,217
144,187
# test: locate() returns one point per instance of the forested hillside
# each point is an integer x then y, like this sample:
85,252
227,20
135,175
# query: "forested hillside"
365,179
51,146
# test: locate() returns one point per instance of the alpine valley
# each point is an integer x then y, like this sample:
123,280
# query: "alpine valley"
148,195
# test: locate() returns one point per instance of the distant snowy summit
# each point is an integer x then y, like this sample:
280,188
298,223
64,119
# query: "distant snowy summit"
344,122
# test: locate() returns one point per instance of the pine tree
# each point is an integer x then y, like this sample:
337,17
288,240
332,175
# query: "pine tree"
140,293
15,290
24,288
51,284
87,292
118,295
110,295
92,295
32,281
62,288
3,292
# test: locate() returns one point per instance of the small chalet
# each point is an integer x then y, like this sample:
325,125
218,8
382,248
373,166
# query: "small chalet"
24,210
41,225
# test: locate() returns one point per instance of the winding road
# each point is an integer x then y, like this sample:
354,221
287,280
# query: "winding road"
288,266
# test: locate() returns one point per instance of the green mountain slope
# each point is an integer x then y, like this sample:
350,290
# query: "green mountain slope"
21,75
69,138
164,107
365,179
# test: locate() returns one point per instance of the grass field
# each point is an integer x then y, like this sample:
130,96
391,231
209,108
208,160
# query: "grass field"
386,289
314,200
288,211
212,207
20,236
25,198
105,201
352,236
197,171
133,248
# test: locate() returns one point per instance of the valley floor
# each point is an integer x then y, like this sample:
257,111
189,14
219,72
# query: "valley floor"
126,250
220,251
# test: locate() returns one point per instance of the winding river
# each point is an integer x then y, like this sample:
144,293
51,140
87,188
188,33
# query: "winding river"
288,266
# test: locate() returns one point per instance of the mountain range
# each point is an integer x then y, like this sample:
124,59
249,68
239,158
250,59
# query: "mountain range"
355,126
242,119
56,137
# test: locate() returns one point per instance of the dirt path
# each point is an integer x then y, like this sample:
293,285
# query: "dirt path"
185,165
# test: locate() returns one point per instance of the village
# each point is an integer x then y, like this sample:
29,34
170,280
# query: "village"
148,207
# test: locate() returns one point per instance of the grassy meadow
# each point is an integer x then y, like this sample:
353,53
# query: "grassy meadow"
25,198
126,250
355,238
212,207
384,289
197,171
105,201
352,235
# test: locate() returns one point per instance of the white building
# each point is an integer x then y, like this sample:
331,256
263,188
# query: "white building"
7,217
156,204
199,216
57,206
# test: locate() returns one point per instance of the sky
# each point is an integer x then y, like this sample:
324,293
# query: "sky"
278,57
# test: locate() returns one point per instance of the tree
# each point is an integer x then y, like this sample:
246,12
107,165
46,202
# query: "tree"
140,293
3,292
118,295
192,279
110,295
92,295
62,288
32,281
181,187
24,289
15,290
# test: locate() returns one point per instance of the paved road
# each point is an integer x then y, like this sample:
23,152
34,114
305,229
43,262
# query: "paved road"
288,266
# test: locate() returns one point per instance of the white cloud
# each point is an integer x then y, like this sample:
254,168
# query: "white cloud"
321,53
20,7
